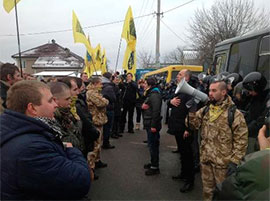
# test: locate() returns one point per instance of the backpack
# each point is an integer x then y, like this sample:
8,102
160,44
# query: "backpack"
231,113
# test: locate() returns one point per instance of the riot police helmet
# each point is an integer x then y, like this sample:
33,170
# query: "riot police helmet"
254,81
233,79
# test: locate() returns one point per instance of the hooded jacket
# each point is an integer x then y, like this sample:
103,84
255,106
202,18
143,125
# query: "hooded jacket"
151,116
36,165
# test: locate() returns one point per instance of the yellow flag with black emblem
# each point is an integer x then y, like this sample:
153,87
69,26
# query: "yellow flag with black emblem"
78,34
129,34
88,65
103,62
9,4
97,57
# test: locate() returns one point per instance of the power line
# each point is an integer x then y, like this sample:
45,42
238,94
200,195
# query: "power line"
93,26
67,30
178,6
172,31
146,22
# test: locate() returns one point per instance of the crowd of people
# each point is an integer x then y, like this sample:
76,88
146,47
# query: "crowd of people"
53,132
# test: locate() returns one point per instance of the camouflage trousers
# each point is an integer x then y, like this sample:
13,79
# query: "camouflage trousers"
210,177
94,156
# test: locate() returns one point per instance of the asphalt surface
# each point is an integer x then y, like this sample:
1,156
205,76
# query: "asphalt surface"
124,178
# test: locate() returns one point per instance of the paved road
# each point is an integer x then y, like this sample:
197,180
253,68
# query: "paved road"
124,178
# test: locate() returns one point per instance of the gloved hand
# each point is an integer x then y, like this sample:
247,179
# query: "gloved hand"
231,169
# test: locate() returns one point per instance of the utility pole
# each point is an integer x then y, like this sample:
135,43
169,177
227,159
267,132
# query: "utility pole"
158,35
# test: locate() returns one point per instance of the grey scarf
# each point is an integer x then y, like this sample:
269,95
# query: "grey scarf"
52,123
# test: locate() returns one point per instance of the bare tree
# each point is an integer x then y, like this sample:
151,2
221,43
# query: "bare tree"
182,55
225,19
145,58
175,56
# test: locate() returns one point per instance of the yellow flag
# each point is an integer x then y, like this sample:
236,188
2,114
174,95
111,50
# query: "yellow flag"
97,57
9,4
78,34
129,62
103,62
88,66
129,34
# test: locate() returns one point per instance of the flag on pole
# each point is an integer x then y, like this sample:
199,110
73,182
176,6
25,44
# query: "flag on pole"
78,34
104,62
97,59
129,34
88,65
9,4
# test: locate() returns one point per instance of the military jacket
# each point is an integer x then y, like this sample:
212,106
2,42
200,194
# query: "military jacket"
97,106
221,144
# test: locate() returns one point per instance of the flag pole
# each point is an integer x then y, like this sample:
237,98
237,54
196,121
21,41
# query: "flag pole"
18,38
118,54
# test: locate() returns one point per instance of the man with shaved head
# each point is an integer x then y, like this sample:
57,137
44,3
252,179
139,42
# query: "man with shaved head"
224,143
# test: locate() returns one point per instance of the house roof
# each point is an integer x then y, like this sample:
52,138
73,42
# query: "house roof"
56,62
49,50
57,73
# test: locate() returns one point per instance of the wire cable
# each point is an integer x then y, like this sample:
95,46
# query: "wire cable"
178,6
67,30
172,31
93,26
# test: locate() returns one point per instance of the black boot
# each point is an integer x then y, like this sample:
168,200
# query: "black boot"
152,171
100,164
108,146
179,177
188,186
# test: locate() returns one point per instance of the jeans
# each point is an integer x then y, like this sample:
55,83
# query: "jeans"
153,144
107,128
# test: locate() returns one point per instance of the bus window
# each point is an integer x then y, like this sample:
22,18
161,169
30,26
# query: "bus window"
242,57
220,61
264,57
264,46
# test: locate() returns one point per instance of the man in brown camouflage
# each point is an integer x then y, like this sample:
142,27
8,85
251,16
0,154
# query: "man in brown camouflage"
97,107
222,146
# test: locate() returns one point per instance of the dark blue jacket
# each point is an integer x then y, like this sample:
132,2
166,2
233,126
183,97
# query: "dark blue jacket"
35,164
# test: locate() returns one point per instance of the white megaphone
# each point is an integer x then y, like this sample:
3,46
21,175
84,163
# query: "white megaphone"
184,87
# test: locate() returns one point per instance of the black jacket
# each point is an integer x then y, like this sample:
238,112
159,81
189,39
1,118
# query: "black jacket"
108,92
89,132
255,114
151,116
118,102
176,124
3,90
129,91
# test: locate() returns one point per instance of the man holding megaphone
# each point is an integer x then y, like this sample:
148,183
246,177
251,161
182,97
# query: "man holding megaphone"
223,145
176,127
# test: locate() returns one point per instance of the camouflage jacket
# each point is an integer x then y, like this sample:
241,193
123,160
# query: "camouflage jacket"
70,127
96,105
221,144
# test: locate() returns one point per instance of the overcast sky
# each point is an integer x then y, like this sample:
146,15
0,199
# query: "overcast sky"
37,16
